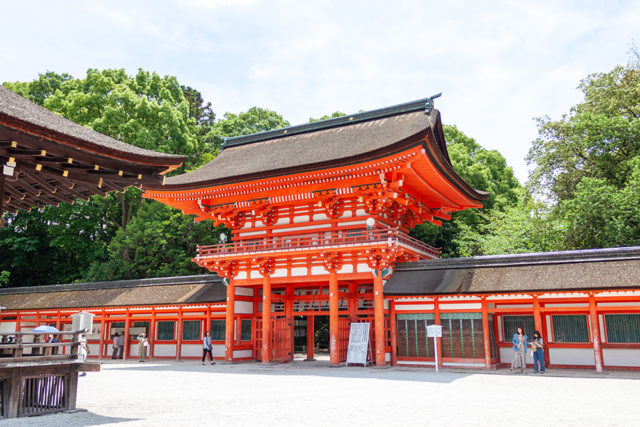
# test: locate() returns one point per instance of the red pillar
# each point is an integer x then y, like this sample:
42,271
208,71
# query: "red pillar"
595,332
353,301
229,322
152,333
102,325
378,303
266,317
125,350
436,316
537,318
394,333
334,357
179,337
485,334
311,338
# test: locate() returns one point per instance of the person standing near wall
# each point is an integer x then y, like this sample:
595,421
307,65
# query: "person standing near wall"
120,345
520,345
537,348
207,347
115,345
142,347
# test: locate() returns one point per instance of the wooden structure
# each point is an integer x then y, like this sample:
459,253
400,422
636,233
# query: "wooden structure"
478,301
46,159
39,378
298,201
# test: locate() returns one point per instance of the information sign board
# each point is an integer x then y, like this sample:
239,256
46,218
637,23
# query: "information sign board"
358,343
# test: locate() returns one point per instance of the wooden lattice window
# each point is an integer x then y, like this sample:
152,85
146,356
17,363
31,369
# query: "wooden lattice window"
510,326
245,330
166,330
218,329
191,330
571,328
412,335
462,335
623,328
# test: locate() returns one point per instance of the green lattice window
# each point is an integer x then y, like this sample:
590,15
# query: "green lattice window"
462,335
570,328
245,330
218,329
510,326
623,328
191,330
412,335
166,330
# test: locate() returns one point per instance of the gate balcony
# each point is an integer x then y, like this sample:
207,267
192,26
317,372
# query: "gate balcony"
355,240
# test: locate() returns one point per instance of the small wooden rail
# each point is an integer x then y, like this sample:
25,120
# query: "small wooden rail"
43,382
355,237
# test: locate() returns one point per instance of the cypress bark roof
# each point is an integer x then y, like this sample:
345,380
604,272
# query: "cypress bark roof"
597,269
22,111
157,291
326,144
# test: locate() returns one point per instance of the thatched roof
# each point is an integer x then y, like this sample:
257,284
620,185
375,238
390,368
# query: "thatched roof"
554,271
157,291
327,144
20,111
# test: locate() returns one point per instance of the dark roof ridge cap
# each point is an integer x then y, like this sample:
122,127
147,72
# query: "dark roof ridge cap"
115,284
536,258
349,119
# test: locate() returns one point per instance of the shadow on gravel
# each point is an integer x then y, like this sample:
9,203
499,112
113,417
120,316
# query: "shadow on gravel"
67,419
297,368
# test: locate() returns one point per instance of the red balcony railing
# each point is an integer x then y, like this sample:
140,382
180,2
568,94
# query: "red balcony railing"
317,240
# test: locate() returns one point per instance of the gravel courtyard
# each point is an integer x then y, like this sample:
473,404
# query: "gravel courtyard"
302,393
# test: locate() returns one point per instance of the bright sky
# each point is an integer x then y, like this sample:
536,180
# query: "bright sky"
499,64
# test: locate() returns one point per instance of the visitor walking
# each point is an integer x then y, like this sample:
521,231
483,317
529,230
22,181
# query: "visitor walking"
537,348
207,347
143,343
520,345
120,345
115,345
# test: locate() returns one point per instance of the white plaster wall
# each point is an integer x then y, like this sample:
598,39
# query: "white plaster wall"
317,271
218,350
242,353
191,350
279,272
7,327
346,268
299,271
164,350
248,292
243,307
363,268
408,307
621,357
94,349
571,356
467,306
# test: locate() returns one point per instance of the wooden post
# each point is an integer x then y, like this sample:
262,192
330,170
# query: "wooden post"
334,356
486,334
18,320
73,388
229,322
266,317
378,304
15,394
125,351
595,332
311,338
102,325
179,337
394,333
537,318
152,333
436,316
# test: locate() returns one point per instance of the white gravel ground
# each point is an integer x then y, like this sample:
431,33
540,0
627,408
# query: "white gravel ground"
303,394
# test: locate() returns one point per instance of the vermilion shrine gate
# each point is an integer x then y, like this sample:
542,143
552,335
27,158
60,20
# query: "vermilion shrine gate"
298,201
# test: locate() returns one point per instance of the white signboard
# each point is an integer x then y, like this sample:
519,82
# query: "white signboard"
358,343
434,331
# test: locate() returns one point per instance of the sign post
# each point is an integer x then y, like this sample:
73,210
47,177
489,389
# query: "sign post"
435,331
358,343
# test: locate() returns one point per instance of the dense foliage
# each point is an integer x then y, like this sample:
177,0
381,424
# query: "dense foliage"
583,192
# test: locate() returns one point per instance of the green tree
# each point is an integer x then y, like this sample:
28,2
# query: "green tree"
484,170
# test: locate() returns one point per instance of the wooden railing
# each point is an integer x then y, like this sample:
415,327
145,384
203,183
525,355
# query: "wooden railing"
43,382
354,237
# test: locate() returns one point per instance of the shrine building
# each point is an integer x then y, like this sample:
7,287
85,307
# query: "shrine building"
319,216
